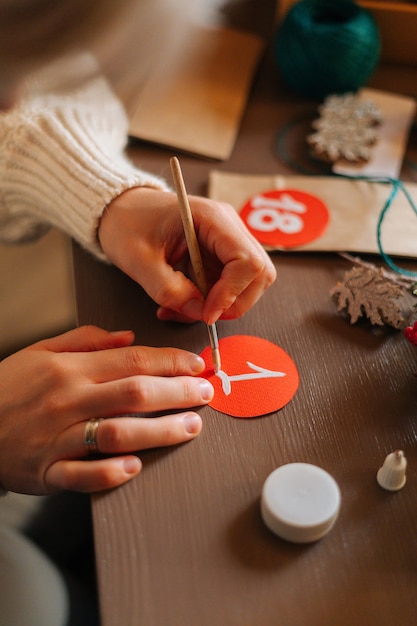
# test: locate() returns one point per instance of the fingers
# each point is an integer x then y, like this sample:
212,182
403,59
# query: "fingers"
123,434
87,338
108,365
120,435
91,476
238,269
116,436
246,269
230,299
149,244
170,288
143,394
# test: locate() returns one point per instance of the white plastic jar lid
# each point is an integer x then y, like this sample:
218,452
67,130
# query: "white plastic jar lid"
300,502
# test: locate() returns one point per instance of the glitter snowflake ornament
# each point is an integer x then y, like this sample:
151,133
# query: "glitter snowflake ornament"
347,129
351,107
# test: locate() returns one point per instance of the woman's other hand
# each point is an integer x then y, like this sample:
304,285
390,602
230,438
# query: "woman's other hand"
50,390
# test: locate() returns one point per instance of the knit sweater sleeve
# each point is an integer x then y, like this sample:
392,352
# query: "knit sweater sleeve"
62,156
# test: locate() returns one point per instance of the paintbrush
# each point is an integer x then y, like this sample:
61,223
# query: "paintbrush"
194,251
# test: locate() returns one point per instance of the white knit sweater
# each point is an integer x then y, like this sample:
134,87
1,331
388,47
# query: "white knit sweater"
62,155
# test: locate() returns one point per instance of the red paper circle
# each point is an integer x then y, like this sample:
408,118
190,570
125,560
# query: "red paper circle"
259,392
285,218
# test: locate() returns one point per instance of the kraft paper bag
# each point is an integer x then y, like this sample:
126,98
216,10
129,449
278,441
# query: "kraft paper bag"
195,101
354,208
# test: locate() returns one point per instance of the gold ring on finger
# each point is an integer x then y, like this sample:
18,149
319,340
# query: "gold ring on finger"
90,435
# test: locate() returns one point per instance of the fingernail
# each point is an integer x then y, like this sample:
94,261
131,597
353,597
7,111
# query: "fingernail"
206,390
132,465
192,423
193,309
197,364
214,317
118,333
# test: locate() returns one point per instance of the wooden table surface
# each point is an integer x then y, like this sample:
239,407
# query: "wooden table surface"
184,543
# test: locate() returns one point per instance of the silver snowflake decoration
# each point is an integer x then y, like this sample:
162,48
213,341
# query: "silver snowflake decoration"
347,129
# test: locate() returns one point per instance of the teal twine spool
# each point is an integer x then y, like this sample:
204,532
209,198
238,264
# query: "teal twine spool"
327,47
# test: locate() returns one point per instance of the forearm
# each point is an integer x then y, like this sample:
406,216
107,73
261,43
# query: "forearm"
62,162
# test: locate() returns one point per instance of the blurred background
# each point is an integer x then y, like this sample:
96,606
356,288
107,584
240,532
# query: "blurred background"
36,290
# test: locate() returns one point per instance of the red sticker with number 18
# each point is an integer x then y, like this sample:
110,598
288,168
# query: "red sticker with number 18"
285,218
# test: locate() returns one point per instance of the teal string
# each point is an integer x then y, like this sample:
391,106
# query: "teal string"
326,46
281,143
397,185
282,149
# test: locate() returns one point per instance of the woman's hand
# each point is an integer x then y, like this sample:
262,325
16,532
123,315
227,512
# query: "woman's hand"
142,233
50,390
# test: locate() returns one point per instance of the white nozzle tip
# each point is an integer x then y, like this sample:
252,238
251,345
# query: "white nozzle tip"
391,475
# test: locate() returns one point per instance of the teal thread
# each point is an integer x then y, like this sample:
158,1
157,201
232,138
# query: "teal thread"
282,148
397,185
327,46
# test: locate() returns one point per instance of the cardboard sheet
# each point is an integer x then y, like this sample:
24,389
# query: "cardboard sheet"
354,208
388,153
195,101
